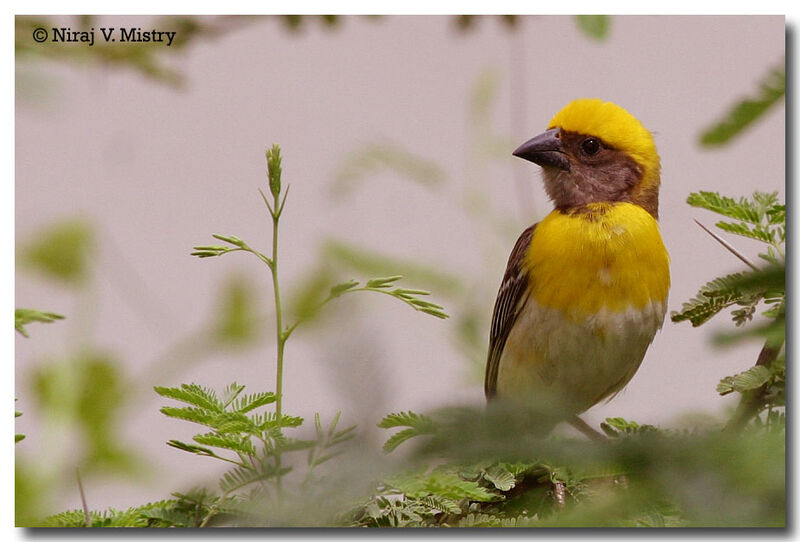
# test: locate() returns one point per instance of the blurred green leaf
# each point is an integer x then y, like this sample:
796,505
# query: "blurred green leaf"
374,158
32,494
297,23
23,317
309,292
483,94
594,26
487,141
772,88
61,251
87,390
371,263
463,23
237,314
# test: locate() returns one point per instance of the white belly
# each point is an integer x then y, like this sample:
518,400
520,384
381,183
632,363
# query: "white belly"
550,360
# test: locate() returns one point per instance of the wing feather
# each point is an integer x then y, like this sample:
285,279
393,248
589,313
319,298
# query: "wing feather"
510,299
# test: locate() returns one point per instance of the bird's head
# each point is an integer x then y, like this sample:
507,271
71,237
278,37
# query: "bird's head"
595,151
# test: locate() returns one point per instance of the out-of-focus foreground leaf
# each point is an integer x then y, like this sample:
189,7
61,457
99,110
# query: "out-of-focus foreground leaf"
237,314
594,26
772,89
87,391
61,251
371,159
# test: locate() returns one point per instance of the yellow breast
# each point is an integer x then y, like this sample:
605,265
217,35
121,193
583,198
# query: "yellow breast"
611,257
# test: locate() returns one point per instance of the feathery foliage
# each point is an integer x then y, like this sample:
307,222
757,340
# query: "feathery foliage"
763,218
416,424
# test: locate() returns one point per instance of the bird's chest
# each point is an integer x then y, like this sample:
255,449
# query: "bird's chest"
613,261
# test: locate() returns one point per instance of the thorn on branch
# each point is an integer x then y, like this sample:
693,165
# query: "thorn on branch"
727,245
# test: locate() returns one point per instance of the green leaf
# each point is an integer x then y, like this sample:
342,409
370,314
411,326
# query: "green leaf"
234,422
383,282
772,88
191,448
751,379
23,317
193,394
742,209
500,478
743,288
443,484
448,506
594,26
613,427
402,419
743,315
232,239
266,421
703,307
759,233
231,392
777,214
418,424
771,279
246,403
399,438
191,414
237,444
61,251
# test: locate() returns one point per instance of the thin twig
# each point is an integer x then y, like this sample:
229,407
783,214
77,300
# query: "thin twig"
585,428
86,515
727,245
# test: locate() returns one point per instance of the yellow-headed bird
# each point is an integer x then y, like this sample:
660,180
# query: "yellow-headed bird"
585,289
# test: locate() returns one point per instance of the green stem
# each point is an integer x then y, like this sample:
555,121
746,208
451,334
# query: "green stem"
280,336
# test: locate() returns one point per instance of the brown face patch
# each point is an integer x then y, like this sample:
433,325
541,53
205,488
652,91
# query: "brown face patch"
598,173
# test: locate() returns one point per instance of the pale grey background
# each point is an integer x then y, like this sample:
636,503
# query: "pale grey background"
158,170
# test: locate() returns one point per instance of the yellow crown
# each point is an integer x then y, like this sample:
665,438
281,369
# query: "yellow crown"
616,127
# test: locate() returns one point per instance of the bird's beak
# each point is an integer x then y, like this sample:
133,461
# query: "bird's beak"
545,149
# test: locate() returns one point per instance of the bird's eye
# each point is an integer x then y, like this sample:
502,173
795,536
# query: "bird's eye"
590,145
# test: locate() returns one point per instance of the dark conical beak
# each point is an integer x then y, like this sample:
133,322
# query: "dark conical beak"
545,149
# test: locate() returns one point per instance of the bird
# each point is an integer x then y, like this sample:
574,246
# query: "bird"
585,289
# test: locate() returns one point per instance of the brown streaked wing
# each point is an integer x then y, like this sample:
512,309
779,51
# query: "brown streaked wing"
510,300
